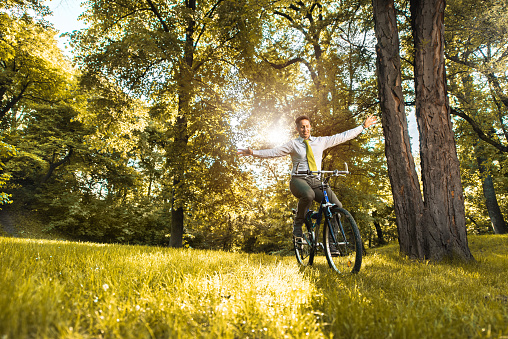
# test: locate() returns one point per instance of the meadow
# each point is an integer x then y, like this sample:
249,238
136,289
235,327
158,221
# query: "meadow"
63,289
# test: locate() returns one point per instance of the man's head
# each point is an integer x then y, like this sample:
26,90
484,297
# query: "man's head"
303,126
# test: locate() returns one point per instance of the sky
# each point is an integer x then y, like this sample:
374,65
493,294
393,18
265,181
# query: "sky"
65,19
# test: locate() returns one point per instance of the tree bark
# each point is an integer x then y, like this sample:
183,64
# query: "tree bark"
408,203
181,138
178,161
445,231
489,192
379,233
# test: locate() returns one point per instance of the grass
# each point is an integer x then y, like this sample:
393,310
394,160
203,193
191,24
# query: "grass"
61,289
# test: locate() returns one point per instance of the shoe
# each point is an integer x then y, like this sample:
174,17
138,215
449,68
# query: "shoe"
334,252
297,231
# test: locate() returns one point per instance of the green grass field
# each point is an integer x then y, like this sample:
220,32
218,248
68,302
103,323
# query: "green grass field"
59,289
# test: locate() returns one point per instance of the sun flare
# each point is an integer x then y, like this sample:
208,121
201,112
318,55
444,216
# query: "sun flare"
277,136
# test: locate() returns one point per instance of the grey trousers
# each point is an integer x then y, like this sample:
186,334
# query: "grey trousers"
306,189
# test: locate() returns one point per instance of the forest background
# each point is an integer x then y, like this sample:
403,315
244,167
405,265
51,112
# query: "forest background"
96,148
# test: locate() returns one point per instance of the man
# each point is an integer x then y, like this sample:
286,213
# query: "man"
306,154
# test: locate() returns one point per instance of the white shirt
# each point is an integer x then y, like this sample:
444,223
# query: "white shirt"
296,148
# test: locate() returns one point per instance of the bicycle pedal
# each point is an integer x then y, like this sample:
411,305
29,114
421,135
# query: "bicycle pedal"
299,240
298,243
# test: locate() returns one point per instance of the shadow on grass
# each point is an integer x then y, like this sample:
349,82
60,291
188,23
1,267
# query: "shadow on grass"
394,296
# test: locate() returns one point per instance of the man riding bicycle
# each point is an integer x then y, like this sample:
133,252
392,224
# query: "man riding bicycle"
306,154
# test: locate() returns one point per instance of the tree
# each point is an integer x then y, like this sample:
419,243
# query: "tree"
476,64
408,204
484,54
32,68
6,150
472,99
442,190
496,217
436,229
23,7
174,55
34,76
320,56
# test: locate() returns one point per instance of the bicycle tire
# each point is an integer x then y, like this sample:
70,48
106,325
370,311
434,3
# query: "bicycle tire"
305,249
348,243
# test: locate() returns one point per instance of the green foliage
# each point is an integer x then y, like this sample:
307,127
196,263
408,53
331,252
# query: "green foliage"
37,99
23,7
160,93
255,66
318,60
476,65
33,70
92,219
57,289
65,172
47,143
6,150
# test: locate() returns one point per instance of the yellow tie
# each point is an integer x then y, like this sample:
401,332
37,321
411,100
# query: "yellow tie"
310,156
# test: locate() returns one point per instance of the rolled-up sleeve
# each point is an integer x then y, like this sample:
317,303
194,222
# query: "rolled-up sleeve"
342,137
279,151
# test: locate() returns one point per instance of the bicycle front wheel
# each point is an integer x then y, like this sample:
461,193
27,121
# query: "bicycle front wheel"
342,242
304,247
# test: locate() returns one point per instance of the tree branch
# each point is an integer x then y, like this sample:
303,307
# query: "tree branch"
210,53
284,65
293,61
158,15
491,77
456,59
284,15
14,100
209,15
53,166
478,130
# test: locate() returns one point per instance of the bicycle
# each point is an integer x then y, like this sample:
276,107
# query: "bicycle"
342,242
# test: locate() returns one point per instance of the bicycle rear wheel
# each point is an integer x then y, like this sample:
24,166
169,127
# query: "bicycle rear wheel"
304,247
343,249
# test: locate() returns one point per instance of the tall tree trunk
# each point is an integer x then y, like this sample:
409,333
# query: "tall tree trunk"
445,231
379,232
495,215
181,134
407,198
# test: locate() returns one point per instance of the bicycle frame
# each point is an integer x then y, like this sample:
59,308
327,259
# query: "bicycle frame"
341,237
325,205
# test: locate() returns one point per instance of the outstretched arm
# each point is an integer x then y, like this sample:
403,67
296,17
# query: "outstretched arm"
349,134
268,153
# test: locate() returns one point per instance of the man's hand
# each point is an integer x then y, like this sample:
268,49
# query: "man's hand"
369,121
244,152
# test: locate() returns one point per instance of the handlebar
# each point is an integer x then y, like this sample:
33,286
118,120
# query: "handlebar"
333,173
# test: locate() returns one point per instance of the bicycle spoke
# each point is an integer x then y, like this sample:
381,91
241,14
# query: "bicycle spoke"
304,249
343,247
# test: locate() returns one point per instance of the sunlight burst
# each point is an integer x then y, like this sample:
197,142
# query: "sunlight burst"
277,135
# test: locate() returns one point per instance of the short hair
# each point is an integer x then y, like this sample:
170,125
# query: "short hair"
300,118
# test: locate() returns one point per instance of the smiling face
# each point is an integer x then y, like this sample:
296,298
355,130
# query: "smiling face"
303,128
